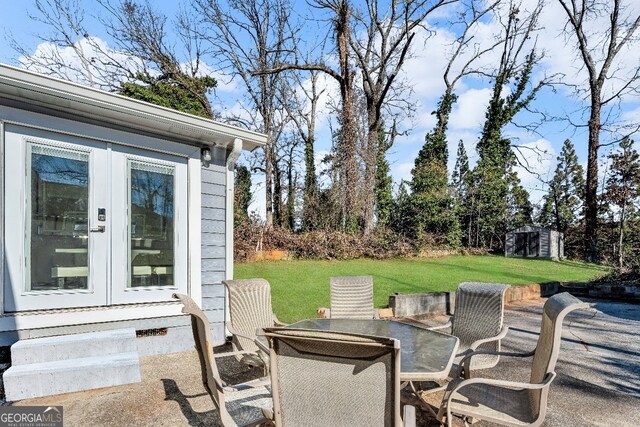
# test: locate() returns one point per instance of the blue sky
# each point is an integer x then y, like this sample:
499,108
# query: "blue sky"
423,73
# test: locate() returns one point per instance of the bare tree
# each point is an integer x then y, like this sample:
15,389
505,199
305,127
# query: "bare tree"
300,99
382,36
68,36
346,166
465,54
247,36
140,31
141,53
598,49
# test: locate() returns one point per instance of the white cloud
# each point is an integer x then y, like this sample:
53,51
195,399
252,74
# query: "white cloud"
425,120
402,171
258,202
89,61
470,109
328,91
225,83
537,160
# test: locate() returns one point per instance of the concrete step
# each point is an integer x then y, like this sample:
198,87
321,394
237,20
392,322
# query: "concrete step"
74,346
69,375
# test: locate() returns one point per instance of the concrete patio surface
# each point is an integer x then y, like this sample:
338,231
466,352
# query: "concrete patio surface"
598,381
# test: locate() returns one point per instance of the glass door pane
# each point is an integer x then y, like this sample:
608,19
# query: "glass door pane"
149,239
55,186
151,224
59,205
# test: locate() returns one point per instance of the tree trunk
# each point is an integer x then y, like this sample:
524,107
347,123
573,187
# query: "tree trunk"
368,190
591,197
277,196
621,235
310,185
291,195
348,131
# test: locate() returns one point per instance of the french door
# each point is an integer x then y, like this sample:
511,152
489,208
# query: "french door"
90,223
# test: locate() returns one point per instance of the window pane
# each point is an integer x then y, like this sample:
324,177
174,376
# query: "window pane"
59,218
151,224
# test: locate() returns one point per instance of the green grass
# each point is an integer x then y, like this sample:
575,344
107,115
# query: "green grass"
298,288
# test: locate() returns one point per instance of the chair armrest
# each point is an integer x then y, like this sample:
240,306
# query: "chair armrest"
231,353
234,332
277,322
376,313
465,361
257,383
501,335
409,416
261,344
437,328
501,383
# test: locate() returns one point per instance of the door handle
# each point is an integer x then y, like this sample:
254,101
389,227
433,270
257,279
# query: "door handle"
98,229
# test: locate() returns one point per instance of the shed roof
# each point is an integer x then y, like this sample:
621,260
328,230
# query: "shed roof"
529,227
64,98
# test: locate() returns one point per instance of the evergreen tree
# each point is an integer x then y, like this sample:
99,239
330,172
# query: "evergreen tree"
462,184
519,207
461,171
431,197
241,195
401,216
168,91
563,204
623,189
383,194
494,168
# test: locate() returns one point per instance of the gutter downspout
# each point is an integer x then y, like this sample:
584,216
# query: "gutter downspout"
232,158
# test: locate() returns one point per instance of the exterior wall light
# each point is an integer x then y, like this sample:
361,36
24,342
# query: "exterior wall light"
205,154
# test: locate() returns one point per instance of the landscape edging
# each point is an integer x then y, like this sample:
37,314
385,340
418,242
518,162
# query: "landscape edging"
441,303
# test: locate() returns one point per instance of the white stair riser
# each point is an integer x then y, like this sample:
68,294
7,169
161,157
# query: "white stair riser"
44,379
64,347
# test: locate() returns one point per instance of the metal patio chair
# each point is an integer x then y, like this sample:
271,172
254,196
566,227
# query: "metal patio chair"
352,298
506,402
478,321
322,378
250,311
239,405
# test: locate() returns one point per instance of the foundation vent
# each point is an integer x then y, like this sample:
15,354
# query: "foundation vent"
156,332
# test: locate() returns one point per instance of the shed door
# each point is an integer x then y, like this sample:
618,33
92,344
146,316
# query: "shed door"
521,244
534,243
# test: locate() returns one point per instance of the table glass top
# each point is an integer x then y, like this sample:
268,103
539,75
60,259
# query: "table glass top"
422,351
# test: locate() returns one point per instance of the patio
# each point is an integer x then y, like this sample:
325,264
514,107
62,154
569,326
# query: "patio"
598,379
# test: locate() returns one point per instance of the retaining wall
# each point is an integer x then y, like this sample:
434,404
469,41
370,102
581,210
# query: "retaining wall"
439,303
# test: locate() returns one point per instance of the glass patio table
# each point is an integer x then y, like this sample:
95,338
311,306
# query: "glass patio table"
425,355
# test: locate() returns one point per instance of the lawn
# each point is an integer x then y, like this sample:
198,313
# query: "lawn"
298,288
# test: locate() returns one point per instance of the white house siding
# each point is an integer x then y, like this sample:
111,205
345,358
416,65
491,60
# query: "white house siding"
213,224
40,102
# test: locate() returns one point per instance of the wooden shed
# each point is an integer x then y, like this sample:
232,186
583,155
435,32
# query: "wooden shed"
533,241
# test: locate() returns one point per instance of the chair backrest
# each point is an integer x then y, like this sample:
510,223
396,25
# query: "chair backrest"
249,309
546,355
479,314
352,297
324,378
203,341
553,313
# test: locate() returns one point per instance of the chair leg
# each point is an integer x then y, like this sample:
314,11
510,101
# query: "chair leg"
426,404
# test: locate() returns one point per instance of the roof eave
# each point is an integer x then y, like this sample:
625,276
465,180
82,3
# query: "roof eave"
68,97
